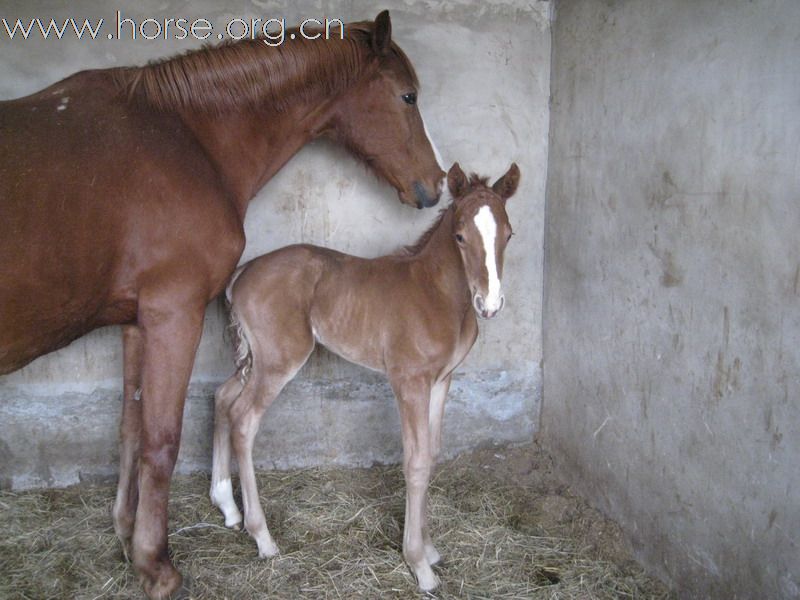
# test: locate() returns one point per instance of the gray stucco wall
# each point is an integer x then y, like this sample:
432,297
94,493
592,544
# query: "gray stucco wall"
484,68
672,310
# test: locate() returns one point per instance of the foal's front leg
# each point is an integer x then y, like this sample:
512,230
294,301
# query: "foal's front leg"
435,416
413,396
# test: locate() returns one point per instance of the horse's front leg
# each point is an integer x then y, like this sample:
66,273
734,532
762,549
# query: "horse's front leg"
413,396
171,325
124,512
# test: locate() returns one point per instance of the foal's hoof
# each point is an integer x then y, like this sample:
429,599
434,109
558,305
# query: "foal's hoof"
268,552
235,525
428,583
426,578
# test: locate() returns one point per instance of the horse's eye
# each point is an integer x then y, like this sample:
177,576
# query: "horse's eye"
510,235
459,238
410,98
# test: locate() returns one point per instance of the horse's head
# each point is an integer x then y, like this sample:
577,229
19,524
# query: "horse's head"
481,231
378,119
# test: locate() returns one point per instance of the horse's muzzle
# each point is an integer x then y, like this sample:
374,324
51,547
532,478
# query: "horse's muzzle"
424,198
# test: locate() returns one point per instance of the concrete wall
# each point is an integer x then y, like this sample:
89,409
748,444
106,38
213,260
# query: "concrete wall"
672,311
484,68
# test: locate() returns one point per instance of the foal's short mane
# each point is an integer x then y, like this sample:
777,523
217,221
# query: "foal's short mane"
475,182
249,73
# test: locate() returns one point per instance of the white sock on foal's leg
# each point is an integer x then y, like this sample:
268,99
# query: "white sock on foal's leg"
222,497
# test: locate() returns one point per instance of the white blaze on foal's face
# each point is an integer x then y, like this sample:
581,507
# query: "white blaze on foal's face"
481,230
487,228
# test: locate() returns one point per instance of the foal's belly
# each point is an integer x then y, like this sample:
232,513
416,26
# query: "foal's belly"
360,352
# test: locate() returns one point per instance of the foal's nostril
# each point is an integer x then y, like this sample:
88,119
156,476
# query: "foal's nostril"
477,302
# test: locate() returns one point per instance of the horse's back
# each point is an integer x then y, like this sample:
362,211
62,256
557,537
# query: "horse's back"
91,187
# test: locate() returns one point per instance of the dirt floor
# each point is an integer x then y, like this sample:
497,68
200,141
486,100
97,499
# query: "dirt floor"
503,524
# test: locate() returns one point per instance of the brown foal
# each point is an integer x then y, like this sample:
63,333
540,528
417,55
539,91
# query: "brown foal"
122,199
409,315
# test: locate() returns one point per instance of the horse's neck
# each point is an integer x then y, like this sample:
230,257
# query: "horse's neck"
247,147
442,260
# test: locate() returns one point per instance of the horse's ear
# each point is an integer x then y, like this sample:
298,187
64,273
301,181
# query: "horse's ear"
507,184
382,34
457,181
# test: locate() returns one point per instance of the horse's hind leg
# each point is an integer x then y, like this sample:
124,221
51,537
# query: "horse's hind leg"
272,370
124,512
221,486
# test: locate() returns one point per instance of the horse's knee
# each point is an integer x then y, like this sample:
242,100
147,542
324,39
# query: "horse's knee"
158,457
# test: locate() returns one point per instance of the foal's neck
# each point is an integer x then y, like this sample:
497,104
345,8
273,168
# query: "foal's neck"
442,259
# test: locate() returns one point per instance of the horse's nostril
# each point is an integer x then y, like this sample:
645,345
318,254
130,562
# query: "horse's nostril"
424,200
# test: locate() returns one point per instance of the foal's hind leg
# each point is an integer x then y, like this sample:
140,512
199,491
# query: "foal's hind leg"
272,369
124,512
221,486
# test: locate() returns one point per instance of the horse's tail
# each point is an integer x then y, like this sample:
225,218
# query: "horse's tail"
243,351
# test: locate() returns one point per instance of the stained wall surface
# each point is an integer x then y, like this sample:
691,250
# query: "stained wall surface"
672,304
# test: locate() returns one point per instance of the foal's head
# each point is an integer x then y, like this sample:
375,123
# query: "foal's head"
378,119
481,231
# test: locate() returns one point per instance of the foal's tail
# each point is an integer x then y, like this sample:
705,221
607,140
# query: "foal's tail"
243,352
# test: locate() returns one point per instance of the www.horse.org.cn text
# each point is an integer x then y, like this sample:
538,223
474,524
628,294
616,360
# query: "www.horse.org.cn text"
271,31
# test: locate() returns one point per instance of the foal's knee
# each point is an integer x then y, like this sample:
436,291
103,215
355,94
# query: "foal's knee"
417,470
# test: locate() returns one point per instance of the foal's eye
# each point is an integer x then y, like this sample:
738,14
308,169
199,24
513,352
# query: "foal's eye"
510,235
459,238
410,98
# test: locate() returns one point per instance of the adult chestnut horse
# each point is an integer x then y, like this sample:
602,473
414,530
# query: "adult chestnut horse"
122,197
411,316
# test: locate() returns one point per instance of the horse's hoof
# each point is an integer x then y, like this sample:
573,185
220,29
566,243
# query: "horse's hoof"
164,582
185,591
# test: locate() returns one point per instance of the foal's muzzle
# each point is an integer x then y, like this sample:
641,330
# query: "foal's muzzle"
484,312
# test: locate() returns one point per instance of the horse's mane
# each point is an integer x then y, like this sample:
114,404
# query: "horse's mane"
233,75
475,181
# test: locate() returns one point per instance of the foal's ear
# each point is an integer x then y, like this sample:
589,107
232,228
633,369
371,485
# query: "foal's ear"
382,34
456,181
507,184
